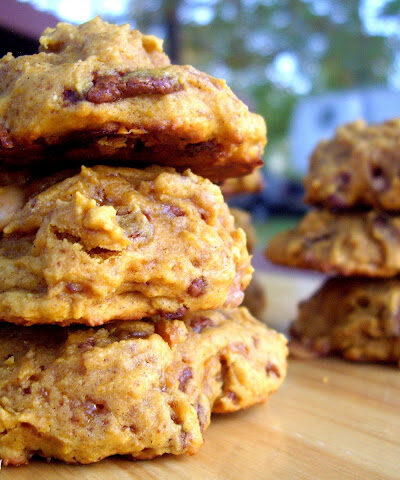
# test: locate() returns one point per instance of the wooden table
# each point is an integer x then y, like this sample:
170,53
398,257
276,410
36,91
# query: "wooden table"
330,420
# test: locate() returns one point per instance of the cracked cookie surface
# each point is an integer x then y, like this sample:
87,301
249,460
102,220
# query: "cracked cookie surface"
82,394
109,94
118,243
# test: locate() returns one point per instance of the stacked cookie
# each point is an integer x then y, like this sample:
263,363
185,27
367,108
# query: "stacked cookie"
123,283
255,298
354,181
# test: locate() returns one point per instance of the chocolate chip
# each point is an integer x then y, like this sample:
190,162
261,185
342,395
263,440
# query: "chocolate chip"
203,214
318,238
5,138
43,392
197,287
184,378
92,407
195,148
173,210
100,252
233,397
381,220
185,438
105,89
140,85
198,324
174,315
87,344
201,415
272,368
342,179
74,287
383,224
27,390
110,88
363,302
71,97
241,348
224,373
127,334
337,201
379,180
99,196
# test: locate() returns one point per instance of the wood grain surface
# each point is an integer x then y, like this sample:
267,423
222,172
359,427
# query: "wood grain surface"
330,420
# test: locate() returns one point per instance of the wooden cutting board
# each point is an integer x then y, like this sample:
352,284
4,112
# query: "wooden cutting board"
330,420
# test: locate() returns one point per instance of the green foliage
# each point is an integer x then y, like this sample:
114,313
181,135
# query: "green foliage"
390,9
274,51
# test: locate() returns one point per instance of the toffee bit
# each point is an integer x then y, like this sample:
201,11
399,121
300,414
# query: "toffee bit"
197,287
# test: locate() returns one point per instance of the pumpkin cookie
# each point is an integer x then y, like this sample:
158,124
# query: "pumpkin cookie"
359,166
252,183
255,296
355,318
130,388
243,220
120,244
109,94
357,243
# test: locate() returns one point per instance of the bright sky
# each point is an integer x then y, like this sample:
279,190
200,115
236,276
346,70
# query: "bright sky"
202,12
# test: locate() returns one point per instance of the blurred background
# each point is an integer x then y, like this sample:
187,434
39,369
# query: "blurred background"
305,65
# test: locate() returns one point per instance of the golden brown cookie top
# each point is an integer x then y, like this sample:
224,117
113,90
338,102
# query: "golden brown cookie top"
360,165
357,243
109,94
119,243
108,43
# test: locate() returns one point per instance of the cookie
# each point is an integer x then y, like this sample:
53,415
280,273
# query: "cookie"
243,220
352,317
357,243
252,183
109,94
118,243
255,298
17,186
360,166
130,388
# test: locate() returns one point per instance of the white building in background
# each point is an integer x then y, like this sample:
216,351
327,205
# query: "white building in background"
317,117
